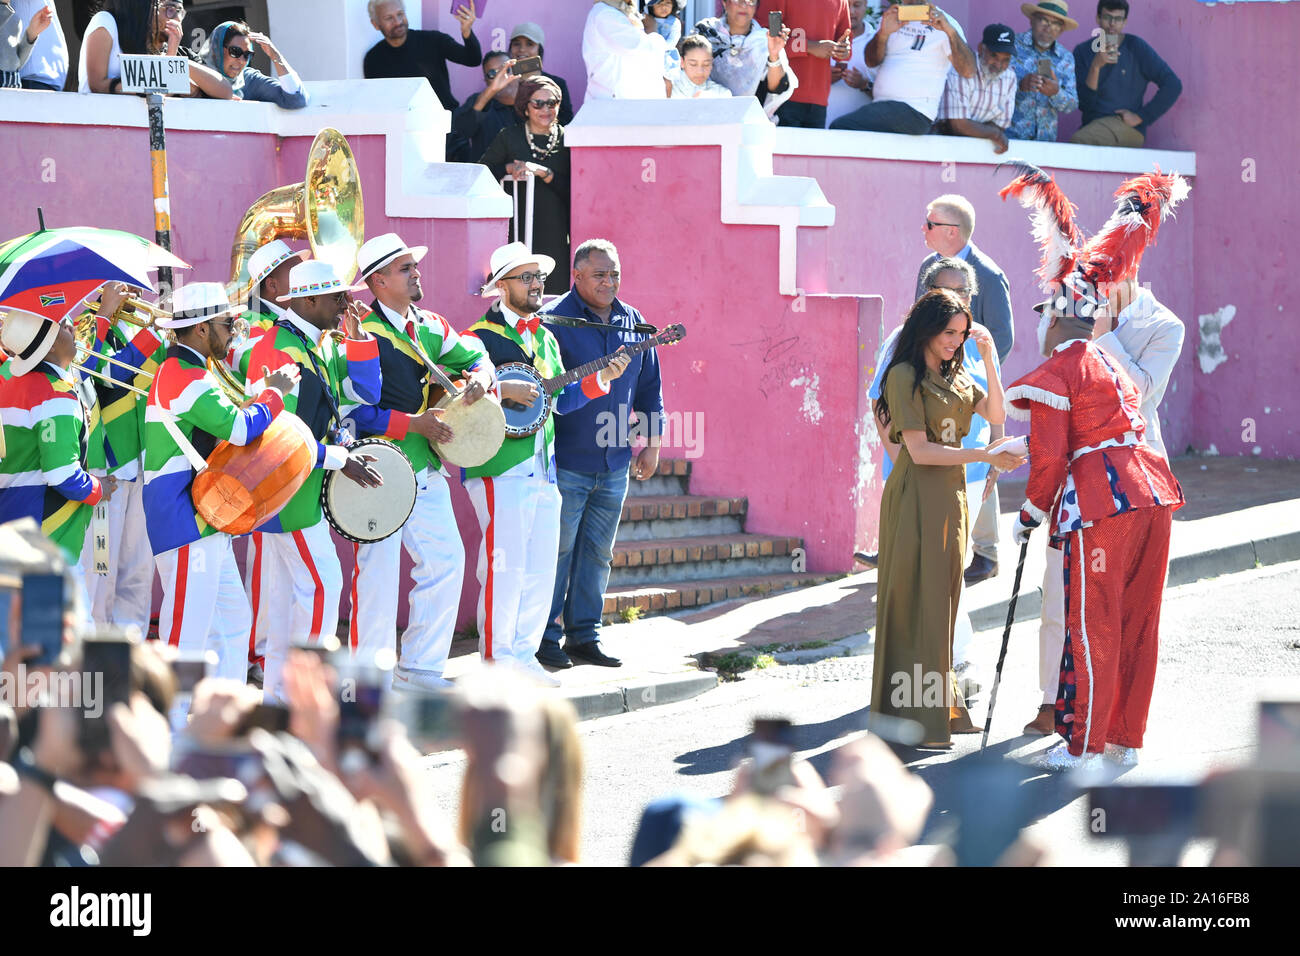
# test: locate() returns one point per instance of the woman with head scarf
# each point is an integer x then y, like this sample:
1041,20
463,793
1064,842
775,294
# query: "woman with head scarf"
229,51
151,27
534,151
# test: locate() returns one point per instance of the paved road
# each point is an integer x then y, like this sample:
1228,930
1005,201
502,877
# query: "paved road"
1223,640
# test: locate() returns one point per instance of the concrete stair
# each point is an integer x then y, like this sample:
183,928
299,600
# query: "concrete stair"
676,550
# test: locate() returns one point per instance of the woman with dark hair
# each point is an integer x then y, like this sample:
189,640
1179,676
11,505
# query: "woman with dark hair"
230,50
534,152
139,26
927,400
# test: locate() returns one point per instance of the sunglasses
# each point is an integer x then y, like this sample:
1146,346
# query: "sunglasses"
239,53
930,225
543,104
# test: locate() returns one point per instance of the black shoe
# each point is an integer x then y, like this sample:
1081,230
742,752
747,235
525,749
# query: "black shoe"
981,569
870,560
590,653
552,656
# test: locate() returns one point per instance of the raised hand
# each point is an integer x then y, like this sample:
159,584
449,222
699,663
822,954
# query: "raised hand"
357,468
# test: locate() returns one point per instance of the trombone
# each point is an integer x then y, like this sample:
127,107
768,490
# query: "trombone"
130,311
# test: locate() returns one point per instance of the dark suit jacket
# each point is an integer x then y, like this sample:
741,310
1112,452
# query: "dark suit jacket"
991,306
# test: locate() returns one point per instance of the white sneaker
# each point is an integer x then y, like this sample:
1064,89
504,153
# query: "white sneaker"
533,670
409,680
1059,759
1124,756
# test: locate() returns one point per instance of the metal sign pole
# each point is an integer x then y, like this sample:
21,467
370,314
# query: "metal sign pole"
162,216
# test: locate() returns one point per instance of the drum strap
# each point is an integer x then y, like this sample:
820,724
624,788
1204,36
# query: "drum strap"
326,389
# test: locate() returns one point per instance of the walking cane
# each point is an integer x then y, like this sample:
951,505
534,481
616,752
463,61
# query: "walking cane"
1006,637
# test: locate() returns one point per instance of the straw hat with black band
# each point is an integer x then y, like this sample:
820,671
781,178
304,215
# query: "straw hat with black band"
378,252
1056,9
198,302
27,338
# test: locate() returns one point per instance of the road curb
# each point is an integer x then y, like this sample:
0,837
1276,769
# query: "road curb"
610,699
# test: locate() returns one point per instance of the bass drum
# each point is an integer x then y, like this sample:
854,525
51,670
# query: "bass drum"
366,515
245,486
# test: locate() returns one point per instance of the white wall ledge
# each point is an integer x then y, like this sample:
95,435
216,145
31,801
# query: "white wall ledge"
751,194
967,150
418,183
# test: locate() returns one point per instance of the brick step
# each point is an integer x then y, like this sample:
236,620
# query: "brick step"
675,595
672,477
701,557
672,516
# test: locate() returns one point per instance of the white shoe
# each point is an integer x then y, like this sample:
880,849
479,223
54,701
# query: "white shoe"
1124,756
409,680
532,670
1059,759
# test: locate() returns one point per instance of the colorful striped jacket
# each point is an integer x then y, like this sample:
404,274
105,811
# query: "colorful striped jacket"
204,414
43,473
504,343
351,368
121,410
404,393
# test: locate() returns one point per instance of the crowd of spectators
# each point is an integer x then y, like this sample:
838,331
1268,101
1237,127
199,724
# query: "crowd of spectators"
872,65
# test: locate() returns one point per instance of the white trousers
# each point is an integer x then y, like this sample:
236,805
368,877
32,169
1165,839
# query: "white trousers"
301,583
204,607
263,611
431,538
1051,626
123,597
520,521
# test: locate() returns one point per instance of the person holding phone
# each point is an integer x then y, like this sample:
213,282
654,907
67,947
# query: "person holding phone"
1114,69
827,34
748,59
426,53
624,53
913,58
1045,81
528,40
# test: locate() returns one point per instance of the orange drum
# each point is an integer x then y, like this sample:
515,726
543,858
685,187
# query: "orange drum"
245,486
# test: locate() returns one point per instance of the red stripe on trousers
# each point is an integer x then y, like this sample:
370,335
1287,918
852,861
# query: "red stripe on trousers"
178,601
489,534
356,572
318,602
257,596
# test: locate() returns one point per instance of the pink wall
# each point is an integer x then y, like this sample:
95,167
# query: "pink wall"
876,245
748,363
1226,55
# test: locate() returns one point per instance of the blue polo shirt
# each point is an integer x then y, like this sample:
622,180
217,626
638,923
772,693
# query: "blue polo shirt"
596,437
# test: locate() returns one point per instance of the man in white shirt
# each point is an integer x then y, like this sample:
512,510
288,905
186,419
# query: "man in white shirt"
913,59
623,52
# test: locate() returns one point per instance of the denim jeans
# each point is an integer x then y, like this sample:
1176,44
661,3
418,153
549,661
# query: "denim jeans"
592,504
889,116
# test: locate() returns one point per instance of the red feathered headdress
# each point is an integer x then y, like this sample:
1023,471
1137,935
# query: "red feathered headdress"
1143,202
1052,216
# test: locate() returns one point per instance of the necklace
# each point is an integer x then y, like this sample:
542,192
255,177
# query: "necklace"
552,142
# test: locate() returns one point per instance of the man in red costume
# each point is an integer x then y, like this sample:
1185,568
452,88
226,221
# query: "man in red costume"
1109,495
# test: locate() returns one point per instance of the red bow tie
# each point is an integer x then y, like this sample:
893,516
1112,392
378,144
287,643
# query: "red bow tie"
529,324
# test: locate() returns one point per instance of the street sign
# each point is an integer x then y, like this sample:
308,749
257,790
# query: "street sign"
155,74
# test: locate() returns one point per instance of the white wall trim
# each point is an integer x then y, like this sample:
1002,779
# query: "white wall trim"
960,149
751,194
418,183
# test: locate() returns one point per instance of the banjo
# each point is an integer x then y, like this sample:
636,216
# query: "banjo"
525,420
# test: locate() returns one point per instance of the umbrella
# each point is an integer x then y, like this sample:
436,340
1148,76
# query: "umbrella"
49,272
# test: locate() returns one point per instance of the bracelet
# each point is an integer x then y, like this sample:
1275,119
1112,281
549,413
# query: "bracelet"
772,63
25,766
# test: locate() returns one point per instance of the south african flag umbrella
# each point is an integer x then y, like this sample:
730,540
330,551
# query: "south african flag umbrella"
51,271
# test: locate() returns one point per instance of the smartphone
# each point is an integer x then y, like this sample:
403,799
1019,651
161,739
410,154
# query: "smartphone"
774,25
237,761
42,616
529,64
1147,810
269,717
771,747
479,6
105,657
1044,67
1112,42
913,11
190,667
361,701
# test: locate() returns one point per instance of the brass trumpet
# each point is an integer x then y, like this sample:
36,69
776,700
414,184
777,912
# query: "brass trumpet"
130,312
